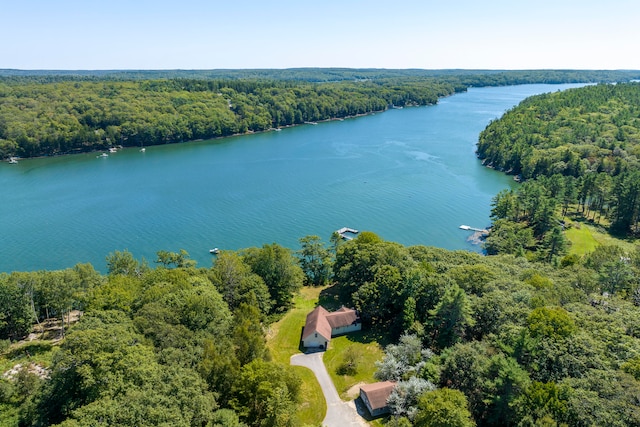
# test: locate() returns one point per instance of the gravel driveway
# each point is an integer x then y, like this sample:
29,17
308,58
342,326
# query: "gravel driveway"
339,413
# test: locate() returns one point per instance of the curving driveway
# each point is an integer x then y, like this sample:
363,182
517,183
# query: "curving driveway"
339,413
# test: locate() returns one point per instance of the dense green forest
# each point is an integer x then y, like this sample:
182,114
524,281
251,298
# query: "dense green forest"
579,147
53,118
544,339
172,345
49,113
466,77
490,341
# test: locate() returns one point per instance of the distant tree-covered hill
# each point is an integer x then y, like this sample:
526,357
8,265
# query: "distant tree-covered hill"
468,77
66,116
56,112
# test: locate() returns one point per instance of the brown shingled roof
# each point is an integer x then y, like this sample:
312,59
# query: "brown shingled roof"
378,393
321,321
317,321
343,317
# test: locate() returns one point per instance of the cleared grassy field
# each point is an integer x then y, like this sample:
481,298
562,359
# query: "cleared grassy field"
585,238
283,337
363,352
582,241
283,341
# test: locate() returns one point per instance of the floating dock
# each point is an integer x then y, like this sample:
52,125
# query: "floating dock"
343,232
480,230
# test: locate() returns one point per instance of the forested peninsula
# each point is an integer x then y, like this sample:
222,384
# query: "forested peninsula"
578,151
49,113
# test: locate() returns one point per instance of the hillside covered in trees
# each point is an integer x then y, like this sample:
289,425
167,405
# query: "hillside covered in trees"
53,118
583,148
49,112
481,340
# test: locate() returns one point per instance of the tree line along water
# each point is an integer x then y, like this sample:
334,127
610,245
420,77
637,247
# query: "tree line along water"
410,175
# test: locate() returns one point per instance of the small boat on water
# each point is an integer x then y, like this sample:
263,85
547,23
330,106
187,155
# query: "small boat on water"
102,155
214,251
142,150
13,160
113,149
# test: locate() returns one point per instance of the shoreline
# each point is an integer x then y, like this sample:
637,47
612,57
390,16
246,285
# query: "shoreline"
119,147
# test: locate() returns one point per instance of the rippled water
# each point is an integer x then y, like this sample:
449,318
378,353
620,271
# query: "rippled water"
409,175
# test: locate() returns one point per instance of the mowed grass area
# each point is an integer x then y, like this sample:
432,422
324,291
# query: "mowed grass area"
283,341
585,238
362,350
582,241
283,336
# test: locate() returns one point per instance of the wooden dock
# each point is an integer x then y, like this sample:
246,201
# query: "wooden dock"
480,230
343,232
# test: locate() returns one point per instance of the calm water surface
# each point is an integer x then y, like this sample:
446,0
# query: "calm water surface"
408,175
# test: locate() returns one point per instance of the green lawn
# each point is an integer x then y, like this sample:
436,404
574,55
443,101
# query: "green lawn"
312,407
283,341
283,337
585,238
366,352
582,241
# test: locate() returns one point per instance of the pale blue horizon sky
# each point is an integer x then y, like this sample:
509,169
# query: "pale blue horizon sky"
199,34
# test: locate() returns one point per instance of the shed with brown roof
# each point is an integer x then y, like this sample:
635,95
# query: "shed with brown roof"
375,396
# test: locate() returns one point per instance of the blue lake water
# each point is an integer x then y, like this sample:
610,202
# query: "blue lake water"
410,175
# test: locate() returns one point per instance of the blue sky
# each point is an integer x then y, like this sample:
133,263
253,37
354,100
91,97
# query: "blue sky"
197,34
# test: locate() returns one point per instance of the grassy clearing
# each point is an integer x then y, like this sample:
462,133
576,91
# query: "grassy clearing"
283,341
312,407
366,353
283,337
582,241
586,237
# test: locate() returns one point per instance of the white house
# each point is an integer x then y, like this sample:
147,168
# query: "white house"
322,325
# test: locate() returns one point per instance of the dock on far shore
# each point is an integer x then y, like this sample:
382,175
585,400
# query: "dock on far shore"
343,232
480,230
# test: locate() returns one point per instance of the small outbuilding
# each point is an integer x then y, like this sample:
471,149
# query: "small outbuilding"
321,325
375,397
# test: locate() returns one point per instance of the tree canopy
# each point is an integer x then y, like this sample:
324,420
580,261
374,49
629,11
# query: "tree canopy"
584,141
49,113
